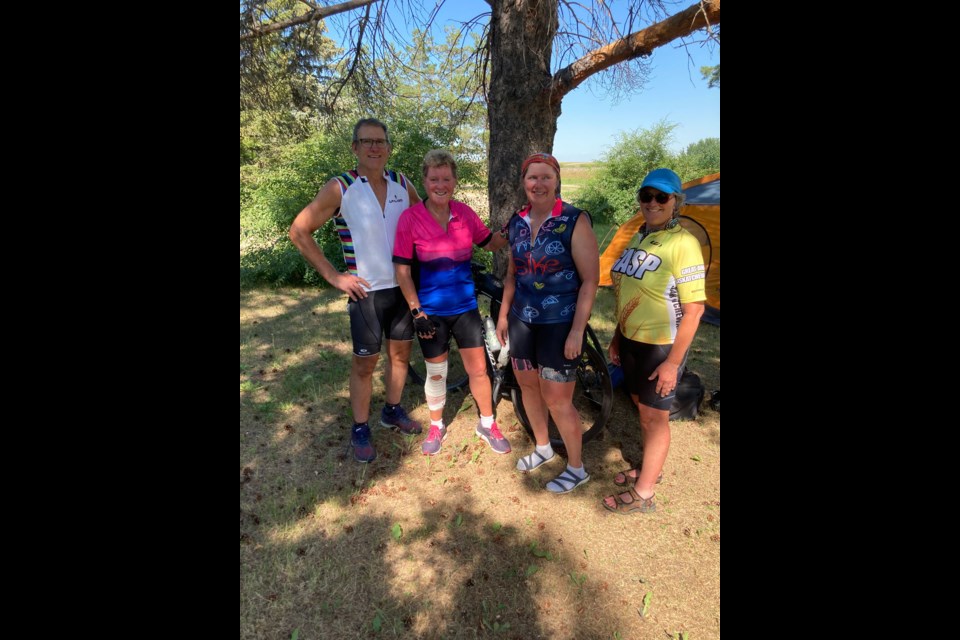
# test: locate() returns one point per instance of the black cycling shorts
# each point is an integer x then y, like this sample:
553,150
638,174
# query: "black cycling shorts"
639,360
383,310
534,346
466,328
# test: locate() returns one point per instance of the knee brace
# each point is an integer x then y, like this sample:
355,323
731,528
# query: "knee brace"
436,390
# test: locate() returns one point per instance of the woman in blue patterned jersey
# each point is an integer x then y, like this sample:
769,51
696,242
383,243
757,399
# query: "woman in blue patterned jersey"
548,293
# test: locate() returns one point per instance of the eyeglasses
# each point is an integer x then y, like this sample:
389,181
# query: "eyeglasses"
646,196
373,142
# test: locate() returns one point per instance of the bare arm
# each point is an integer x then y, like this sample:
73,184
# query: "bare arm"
424,327
586,256
509,289
405,280
312,217
667,371
412,193
497,242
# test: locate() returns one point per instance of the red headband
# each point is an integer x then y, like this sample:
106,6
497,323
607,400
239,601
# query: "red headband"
545,158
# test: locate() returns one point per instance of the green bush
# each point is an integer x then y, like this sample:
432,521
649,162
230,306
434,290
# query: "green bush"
272,196
610,195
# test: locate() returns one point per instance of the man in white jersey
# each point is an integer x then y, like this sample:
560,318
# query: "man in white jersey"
365,205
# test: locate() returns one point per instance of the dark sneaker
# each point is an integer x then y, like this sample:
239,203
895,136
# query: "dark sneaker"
398,419
494,438
431,446
363,450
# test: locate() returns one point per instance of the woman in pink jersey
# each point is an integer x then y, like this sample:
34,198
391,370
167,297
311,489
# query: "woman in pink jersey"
659,284
438,236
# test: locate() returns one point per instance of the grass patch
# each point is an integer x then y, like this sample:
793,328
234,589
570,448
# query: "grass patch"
494,553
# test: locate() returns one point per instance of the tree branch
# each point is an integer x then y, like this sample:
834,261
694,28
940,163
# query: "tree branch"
641,43
311,16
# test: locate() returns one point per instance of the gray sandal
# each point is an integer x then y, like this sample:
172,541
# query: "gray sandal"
566,482
529,463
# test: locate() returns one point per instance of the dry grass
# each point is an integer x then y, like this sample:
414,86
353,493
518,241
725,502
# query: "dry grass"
317,550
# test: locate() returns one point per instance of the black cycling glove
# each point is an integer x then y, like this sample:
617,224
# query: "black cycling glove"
426,328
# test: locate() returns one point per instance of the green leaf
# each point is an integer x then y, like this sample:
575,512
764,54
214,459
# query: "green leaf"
497,526
683,635
377,622
540,553
459,520
695,458
646,604
296,634
397,531
532,569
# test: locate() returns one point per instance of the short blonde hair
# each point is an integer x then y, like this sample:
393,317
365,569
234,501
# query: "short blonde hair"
439,158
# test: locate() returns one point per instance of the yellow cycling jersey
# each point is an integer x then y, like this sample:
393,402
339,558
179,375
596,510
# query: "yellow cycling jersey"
656,274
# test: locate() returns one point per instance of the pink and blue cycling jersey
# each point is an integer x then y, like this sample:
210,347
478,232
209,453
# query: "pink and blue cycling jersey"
445,285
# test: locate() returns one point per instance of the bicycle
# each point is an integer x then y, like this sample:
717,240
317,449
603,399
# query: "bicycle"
592,396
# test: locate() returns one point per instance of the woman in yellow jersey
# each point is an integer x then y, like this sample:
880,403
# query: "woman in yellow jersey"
659,284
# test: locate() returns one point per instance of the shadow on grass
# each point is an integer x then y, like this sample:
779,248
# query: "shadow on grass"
317,548
453,572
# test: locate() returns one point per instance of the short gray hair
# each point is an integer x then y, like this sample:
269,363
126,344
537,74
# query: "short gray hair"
373,122
439,158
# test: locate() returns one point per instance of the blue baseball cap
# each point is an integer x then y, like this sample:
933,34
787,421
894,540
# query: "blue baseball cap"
663,179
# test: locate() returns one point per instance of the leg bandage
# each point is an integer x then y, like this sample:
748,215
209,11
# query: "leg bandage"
436,390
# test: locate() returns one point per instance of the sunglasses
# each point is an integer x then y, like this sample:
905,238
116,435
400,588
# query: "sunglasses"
646,196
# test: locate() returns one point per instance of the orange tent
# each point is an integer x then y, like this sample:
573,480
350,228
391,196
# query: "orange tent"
701,217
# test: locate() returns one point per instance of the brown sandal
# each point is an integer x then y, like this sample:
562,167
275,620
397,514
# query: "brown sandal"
636,504
627,478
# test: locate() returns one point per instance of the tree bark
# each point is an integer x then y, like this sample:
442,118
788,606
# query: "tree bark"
521,117
634,45
523,103
311,16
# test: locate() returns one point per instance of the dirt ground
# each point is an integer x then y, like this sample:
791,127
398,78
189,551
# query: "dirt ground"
458,545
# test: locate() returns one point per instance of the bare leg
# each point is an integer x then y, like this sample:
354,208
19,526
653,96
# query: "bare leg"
656,443
655,425
534,404
475,362
559,399
395,373
361,386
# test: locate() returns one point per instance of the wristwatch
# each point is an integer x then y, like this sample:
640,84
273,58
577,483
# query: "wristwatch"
416,311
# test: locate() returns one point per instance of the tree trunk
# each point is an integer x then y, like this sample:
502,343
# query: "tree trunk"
523,103
521,116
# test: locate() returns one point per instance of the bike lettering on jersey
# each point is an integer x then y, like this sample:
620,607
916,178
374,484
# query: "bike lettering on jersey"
541,266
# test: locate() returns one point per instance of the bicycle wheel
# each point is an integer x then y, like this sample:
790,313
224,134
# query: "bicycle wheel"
592,397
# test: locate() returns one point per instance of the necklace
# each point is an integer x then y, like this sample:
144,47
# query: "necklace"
643,232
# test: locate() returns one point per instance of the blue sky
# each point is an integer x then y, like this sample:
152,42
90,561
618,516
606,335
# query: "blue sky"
675,91
590,121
